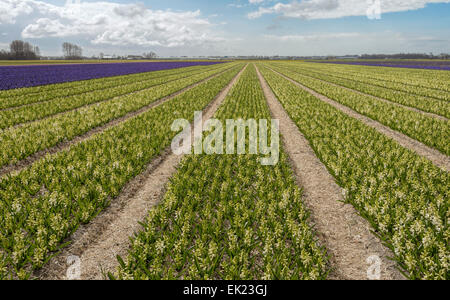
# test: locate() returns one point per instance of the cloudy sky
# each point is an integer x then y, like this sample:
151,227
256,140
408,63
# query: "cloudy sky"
229,27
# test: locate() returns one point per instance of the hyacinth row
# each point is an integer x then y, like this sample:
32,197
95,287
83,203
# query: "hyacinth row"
31,95
40,110
19,143
419,78
46,202
402,195
13,77
388,86
428,65
227,216
432,132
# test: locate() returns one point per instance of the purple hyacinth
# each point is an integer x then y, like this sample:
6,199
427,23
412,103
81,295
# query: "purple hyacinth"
12,77
428,65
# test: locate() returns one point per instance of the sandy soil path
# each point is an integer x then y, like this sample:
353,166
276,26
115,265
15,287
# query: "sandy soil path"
340,229
107,236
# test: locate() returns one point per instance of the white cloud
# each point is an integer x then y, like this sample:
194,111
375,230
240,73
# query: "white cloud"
333,9
110,23
250,2
10,10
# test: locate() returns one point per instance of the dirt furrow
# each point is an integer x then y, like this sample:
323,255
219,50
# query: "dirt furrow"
65,145
98,243
437,158
346,235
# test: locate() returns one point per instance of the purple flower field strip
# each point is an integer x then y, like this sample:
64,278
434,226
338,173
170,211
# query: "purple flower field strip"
441,65
12,77
25,96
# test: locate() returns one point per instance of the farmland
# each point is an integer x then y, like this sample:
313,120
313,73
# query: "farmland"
87,168
409,64
43,74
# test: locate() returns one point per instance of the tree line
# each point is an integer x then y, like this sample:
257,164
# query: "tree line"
20,50
72,51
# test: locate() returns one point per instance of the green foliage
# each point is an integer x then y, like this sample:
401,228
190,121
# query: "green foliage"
429,83
404,196
21,142
16,97
426,129
229,217
43,204
428,100
44,109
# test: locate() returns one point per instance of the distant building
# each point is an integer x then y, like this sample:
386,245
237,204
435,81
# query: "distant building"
347,57
134,57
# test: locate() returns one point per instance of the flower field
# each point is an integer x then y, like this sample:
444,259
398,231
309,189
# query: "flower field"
252,225
402,195
12,77
412,64
432,131
80,142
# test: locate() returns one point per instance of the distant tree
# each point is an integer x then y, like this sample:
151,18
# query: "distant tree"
37,51
66,49
22,50
150,55
4,55
16,47
72,51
